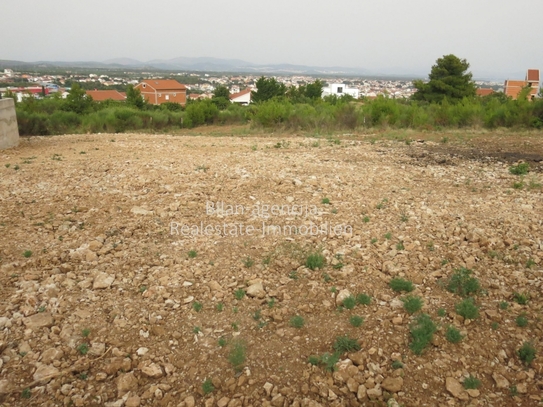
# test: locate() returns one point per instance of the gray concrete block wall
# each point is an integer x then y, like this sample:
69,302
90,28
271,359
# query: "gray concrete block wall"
9,132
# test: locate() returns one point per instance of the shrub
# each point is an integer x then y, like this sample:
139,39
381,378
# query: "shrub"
462,283
356,321
297,321
315,261
471,382
207,387
521,320
239,294
363,299
453,335
521,299
399,284
327,361
349,302
527,353
467,309
237,354
519,169
412,304
345,344
422,331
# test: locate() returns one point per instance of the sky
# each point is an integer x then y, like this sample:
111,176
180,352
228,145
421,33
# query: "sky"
498,38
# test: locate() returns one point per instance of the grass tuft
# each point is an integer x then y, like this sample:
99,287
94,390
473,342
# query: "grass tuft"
527,353
315,261
467,309
453,335
399,284
422,332
356,321
471,382
345,344
412,303
297,321
462,283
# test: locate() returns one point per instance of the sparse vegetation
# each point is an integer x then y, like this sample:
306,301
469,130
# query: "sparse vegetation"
83,348
27,254
527,353
412,304
441,312
467,309
197,306
521,320
345,344
349,302
396,364
422,331
521,299
462,283
453,335
238,354
356,321
297,321
471,382
315,261
192,254
504,305
519,169
248,262
363,299
207,387
239,293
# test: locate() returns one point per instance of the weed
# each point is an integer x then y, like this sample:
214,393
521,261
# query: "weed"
530,263
207,387
471,382
196,330
271,302
197,306
404,217
257,315
192,254
338,266
467,309
314,360
349,302
248,262
441,312
494,325
382,204
366,219
400,246
83,348
373,240
388,236
422,332
396,364
235,326
86,332
453,335
7,165
412,304
327,361
333,290
521,320
239,294
235,310
533,184
513,391
399,284
222,342
143,288
356,321
83,376
297,321
27,253
293,275
237,355
345,344
431,246
518,185
16,167
445,140
444,262
462,283
504,305
326,277
519,169
315,261
266,260
325,201
527,353
521,299
363,299
26,393
219,307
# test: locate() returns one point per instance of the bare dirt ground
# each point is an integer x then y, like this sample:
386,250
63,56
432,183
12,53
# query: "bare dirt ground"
120,286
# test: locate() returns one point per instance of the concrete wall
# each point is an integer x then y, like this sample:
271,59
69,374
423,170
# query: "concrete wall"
9,132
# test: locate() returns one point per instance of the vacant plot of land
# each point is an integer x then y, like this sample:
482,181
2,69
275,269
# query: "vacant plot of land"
269,270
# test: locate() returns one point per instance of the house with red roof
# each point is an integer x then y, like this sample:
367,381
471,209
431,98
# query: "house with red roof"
513,88
243,97
102,95
484,91
158,91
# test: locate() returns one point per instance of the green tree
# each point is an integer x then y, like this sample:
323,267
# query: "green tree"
221,97
266,89
134,98
77,100
448,79
314,90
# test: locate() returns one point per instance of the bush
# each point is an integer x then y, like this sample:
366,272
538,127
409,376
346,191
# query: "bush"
527,353
453,335
399,284
345,344
422,332
272,113
315,261
467,309
462,283
412,304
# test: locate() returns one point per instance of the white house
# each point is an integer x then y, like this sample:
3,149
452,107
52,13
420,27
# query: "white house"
339,89
243,97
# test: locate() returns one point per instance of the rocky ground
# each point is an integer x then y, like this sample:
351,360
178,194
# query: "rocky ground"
126,279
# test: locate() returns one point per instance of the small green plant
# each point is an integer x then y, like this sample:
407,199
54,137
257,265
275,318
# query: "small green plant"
235,310
404,217
314,360
519,169
239,293
530,263
527,353
430,246
248,262
271,302
471,382
388,236
192,254
349,302
143,288
412,304
504,305
257,315
16,168
373,240
462,283
219,307
222,342
345,344
513,391
366,219
315,261
297,321
521,299
237,355
396,364
326,277
363,299
27,253
453,335
441,312
400,246
325,201
356,321
86,332
197,306
196,330
234,326
444,140
422,331
467,309
293,275
7,165
42,308
327,360
521,320
83,376
333,290
26,393
399,284
444,262
494,325
207,387
518,184
83,348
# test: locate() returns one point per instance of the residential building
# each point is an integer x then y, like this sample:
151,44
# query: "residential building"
339,89
158,91
243,97
101,95
513,88
483,91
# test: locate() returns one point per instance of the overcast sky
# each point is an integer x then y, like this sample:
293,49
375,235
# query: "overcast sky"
497,37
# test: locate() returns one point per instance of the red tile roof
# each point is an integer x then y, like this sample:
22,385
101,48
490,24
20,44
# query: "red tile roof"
532,75
101,95
513,88
484,91
164,84
237,95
